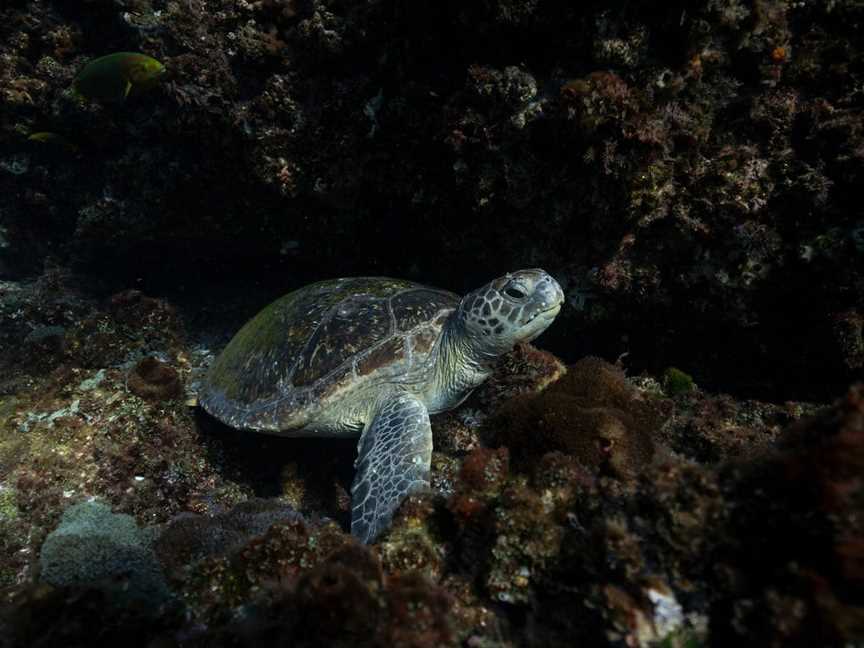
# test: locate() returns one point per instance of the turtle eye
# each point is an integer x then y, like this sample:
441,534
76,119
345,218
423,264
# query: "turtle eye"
605,445
514,292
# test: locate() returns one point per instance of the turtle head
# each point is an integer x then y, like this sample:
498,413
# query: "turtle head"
514,308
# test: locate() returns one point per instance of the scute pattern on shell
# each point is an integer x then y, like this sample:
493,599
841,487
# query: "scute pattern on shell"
313,344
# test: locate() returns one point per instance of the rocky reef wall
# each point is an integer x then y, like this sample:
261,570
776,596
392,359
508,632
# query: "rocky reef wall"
690,172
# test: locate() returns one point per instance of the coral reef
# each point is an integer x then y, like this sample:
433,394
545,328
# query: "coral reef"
527,547
70,429
690,172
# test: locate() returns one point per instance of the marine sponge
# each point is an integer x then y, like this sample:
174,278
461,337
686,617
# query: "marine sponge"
92,545
525,370
592,413
154,380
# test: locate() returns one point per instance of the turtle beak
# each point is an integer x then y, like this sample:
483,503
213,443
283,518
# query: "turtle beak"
545,304
550,295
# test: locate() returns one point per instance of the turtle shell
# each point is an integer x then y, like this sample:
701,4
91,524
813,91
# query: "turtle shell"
312,347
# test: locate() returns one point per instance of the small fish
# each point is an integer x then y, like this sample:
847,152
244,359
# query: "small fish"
46,137
111,78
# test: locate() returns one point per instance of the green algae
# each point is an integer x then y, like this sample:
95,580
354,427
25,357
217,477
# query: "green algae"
12,533
677,382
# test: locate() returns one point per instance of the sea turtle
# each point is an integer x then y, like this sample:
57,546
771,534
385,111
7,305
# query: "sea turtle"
373,357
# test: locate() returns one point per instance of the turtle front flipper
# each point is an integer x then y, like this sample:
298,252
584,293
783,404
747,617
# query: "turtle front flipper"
394,455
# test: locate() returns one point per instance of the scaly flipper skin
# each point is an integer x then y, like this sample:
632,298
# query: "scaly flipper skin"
394,455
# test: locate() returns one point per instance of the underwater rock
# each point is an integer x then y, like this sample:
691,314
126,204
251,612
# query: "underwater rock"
700,170
710,428
340,597
419,613
154,317
40,614
527,540
694,223
415,543
47,340
648,616
188,538
796,535
93,546
849,335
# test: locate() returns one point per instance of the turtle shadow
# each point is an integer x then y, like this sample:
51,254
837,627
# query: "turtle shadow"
312,474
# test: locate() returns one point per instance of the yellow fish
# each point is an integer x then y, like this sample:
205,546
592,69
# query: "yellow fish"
46,137
111,78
